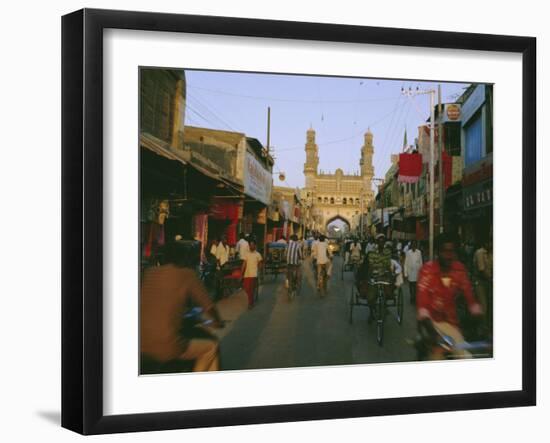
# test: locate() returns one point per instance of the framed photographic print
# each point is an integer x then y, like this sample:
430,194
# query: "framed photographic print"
269,221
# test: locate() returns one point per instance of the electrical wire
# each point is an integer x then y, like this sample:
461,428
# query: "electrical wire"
291,100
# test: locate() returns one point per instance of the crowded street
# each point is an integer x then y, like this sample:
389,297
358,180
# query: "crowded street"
255,257
310,330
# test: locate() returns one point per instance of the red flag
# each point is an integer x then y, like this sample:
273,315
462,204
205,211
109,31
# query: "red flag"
410,167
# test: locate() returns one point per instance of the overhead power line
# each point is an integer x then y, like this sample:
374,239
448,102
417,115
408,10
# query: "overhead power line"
292,100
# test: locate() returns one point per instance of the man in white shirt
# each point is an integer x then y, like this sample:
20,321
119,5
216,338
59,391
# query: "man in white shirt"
251,263
413,263
242,247
220,251
355,251
322,255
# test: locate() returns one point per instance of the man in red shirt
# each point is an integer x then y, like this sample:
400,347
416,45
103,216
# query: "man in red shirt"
439,283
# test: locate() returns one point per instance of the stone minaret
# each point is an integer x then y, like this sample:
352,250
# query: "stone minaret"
312,159
367,170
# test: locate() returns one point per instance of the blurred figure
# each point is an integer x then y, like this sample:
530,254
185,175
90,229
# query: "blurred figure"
322,256
355,251
483,279
397,270
413,263
376,266
220,250
251,264
165,294
294,257
439,283
242,247
313,253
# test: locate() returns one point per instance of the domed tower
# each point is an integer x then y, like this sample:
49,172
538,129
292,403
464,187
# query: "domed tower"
367,170
312,159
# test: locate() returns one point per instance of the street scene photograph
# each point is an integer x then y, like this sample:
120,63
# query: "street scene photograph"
292,221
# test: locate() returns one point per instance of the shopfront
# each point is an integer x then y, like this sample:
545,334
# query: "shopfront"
258,187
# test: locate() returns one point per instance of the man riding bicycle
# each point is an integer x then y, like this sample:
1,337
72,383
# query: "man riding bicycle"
439,283
376,267
322,256
294,257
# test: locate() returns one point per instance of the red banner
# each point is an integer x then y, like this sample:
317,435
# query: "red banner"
410,168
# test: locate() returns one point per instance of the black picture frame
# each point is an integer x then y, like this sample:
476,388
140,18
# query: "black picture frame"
82,218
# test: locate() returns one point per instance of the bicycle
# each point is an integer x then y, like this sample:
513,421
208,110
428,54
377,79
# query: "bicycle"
380,306
294,285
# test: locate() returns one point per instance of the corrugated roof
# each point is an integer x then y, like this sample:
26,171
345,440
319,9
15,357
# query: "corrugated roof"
158,146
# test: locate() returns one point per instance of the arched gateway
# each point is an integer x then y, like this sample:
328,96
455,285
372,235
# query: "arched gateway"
338,195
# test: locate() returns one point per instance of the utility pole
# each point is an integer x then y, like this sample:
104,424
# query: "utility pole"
268,153
440,156
382,198
411,93
432,190
268,127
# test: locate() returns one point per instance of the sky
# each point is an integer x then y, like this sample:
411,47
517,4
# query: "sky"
339,109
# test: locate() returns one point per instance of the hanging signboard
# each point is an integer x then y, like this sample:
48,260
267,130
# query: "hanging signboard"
257,180
452,112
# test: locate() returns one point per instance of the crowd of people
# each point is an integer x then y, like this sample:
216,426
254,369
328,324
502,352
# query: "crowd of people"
457,272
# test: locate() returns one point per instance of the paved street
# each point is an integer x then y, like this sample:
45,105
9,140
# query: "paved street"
312,331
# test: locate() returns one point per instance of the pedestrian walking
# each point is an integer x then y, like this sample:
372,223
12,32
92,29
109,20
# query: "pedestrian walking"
483,279
242,247
251,264
413,263
220,250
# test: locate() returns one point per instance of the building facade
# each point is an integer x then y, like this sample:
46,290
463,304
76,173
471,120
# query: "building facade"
338,195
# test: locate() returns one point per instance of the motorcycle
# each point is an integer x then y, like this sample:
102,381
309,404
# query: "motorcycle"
193,326
431,342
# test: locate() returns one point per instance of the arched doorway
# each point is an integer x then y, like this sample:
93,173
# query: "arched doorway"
337,227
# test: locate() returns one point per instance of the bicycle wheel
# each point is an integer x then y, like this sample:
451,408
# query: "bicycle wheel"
400,306
381,308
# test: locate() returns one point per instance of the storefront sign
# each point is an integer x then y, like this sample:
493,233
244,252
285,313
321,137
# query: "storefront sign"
257,180
478,195
452,112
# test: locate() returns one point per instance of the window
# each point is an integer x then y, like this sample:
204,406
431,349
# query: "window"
331,200
473,141
326,199
345,201
319,200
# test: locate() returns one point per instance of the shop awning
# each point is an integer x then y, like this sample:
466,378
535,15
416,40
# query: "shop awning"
163,149
159,147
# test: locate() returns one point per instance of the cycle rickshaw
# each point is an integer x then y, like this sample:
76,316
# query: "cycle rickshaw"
385,298
351,266
231,279
275,259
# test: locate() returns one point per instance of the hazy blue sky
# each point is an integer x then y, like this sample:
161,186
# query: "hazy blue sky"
339,109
